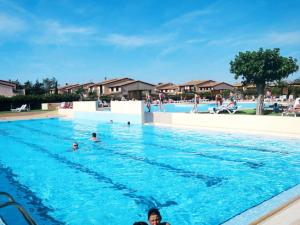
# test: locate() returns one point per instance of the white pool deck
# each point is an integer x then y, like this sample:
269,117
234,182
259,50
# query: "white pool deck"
288,212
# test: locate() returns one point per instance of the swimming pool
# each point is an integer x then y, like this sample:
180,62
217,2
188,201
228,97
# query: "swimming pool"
194,177
174,107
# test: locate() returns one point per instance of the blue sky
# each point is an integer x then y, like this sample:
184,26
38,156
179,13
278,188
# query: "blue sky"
79,41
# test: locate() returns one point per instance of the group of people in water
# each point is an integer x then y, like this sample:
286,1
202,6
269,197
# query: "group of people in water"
93,138
154,218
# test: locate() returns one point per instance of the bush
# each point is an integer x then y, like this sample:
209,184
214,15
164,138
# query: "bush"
207,95
35,101
226,94
293,90
250,92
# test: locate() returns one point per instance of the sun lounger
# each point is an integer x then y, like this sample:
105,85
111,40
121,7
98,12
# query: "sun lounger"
21,109
223,108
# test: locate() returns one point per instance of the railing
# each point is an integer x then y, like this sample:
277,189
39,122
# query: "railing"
12,202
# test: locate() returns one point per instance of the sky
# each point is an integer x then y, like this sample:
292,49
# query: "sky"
79,41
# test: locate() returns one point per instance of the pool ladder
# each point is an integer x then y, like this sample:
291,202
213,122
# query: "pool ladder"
12,202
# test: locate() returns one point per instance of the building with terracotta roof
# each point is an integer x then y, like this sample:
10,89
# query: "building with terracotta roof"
103,87
214,86
7,88
131,89
192,86
168,88
68,88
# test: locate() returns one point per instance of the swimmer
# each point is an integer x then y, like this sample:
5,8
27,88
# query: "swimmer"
75,146
154,217
128,123
94,137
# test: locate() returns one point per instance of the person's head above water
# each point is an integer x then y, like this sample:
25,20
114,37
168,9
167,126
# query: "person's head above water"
75,146
154,216
94,137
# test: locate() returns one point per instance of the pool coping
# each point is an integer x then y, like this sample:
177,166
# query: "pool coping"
267,209
275,213
229,130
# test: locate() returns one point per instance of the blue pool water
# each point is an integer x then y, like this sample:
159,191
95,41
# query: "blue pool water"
193,177
171,107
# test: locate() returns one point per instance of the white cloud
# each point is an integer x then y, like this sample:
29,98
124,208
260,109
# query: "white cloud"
58,29
195,41
264,40
10,25
188,17
283,38
133,41
53,32
169,50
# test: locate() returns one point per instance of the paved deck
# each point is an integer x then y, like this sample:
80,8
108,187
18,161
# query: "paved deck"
28,115
287,214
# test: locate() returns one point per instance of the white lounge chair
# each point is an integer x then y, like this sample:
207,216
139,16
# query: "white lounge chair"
20,109
223,108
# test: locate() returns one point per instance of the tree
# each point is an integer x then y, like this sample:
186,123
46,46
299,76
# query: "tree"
260,67
49,84
17,83
80,91
28,87
296,81
37,88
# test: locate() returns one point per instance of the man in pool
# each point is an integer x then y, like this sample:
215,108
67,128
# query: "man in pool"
154,217
94,137
75,146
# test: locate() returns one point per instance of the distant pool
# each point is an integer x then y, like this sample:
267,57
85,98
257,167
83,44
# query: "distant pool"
175,107
194,177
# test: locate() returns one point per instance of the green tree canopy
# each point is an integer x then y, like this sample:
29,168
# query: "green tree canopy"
260,67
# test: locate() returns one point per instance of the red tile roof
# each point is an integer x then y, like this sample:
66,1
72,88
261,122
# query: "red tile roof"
195,82
7,83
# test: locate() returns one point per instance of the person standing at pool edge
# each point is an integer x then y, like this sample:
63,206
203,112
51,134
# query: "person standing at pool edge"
148,102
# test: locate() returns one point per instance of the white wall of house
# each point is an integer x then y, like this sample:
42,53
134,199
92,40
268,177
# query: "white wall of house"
6,91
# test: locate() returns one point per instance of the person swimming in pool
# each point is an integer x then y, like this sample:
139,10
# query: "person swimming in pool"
75,146
154,217
94,137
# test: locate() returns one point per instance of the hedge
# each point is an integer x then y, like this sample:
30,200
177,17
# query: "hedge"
35,101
